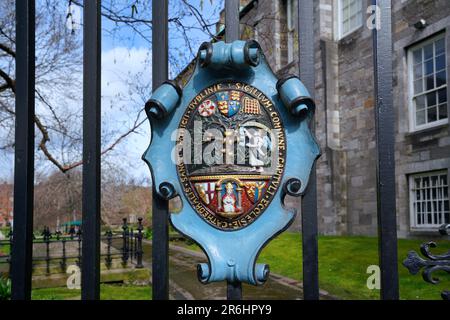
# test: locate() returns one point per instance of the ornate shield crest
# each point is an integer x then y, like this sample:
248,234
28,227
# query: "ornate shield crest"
237,165
229,102
221,145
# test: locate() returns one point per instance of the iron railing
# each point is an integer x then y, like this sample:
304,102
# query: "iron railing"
126,244
432,262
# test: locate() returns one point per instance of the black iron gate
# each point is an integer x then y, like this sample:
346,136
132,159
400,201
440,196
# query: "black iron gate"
24,150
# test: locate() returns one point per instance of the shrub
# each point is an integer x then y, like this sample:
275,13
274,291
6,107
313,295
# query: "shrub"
148,233
5,288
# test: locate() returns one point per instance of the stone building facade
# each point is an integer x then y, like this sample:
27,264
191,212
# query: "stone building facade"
344,94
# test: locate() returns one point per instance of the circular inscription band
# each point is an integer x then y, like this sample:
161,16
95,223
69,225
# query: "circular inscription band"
231,148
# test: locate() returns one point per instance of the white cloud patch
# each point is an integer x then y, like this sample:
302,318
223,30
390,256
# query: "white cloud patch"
126,84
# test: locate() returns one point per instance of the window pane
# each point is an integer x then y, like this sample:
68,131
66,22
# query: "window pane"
434,184
358,6
443,111
420,117
428,51
417,56
440,46
346,13
444,182
352,22
440,78
418,71
418,86
429,82
440,62
442,95
420,102
429,67
346,27
432,116
353,7
350,15
431,99
429,71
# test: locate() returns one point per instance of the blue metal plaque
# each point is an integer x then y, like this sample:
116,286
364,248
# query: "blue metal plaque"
231,144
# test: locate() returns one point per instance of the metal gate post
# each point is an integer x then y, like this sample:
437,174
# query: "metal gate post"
385,137
90,266
234,290
22,246
309,201
160,211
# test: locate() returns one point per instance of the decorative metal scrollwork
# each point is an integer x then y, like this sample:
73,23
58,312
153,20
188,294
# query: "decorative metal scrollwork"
414,263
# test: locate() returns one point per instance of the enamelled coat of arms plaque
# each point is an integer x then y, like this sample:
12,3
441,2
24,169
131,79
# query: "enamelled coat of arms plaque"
236,179
231,144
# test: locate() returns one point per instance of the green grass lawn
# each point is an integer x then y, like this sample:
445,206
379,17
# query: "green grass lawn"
4,250
343,263
107,292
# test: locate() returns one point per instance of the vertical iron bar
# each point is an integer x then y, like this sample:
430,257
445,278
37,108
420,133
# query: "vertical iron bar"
108,259
124,242
135,245
80,257
46,235
90,268
234,290
139,245
63,263
10,235
22,256
160,209
130,244
385,137
309,201
231,20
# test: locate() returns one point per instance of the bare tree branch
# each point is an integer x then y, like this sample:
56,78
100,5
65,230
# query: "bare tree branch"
9,82
8,50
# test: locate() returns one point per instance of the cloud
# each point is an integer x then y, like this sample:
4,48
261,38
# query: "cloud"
126,72
121,64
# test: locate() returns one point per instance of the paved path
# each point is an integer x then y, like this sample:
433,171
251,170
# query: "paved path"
185,285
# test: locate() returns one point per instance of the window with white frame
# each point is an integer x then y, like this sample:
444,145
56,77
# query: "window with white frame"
429,202
349,16
428,83
290,29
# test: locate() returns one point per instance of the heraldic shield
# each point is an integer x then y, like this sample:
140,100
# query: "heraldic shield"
231,145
